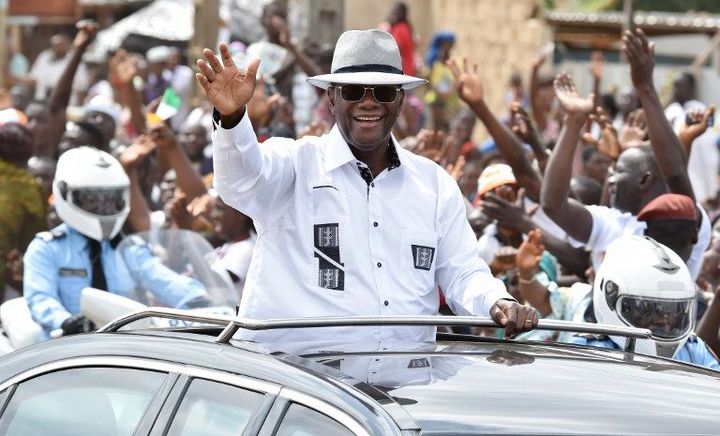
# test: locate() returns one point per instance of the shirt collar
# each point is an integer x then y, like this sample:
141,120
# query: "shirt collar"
337,152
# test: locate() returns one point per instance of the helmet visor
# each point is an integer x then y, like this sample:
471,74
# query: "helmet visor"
101,202
666,319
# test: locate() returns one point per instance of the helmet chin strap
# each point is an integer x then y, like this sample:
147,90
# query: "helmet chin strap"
106,228
666,350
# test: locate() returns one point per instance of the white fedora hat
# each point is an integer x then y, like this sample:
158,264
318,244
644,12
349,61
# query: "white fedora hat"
366,57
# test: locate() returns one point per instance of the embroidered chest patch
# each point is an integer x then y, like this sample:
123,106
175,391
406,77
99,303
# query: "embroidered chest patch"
331,271
419,363
422,256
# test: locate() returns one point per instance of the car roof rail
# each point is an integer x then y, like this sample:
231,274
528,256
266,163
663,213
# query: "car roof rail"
233,324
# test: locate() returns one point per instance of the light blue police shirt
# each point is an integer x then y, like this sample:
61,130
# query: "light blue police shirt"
57,267
694,351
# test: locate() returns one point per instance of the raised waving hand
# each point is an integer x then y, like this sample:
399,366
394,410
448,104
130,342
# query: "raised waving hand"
227,88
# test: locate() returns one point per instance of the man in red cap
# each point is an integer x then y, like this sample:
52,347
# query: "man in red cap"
672,218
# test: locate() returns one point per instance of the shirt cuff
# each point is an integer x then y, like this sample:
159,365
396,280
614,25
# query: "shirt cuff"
241,135
494,296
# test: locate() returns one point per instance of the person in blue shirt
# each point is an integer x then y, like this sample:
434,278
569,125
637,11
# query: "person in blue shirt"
92,197
642,283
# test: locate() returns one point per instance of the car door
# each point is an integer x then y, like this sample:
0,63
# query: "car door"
210,402
297,414
85,396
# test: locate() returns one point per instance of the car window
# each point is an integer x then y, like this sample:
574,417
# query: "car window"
210,408
80,402
302,421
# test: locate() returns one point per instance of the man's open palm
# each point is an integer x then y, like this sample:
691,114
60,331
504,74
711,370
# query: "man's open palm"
569,98
470,88
227,88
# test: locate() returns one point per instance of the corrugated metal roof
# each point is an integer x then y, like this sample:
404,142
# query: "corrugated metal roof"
647,20
95,3
169,20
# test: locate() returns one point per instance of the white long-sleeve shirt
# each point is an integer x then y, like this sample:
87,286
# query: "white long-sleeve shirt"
331,244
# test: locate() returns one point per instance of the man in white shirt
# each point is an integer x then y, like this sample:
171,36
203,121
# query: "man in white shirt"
641,173
704,157
348,223
49,66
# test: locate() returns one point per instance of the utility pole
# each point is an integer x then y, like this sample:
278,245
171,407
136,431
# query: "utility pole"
206,23
4,67
628,22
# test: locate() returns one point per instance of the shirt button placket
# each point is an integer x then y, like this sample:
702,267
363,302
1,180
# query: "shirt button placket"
377,251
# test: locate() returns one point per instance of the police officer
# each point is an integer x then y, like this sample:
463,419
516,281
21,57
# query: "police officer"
92,197
642,283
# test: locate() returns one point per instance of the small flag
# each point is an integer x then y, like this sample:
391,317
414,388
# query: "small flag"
169,105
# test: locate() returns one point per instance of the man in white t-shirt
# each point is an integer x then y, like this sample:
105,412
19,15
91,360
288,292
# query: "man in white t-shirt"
234,256
49,66
641,174
704,156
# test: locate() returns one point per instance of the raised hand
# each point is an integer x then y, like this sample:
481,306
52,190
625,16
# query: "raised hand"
430,144
529,254
177,208
137,151
570,99
163,137
634,131
596,64
470,88
281,27
123,67
87,29
315,128
521,124
696,124
509,214
608,143
227,88
456,170
641,56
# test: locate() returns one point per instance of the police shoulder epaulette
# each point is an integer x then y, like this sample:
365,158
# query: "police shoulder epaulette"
137,240
51,235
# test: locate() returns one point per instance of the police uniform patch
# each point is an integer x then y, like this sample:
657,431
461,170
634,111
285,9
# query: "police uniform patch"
422,256
73,272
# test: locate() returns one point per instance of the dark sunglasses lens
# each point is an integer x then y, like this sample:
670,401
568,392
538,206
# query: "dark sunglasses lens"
385,94
352,92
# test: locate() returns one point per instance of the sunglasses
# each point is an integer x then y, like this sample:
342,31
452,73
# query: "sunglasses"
381,93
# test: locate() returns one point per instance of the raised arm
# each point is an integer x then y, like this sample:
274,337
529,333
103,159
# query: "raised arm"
523,127
188,179
60,96
539,116
255,180
528,264
471,92
139,217
669,152
570,215
306,64
123,69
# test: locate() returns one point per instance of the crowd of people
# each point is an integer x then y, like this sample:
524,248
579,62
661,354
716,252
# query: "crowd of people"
598,208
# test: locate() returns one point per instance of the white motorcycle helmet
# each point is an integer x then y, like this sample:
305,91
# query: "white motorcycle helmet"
92,192
642,283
